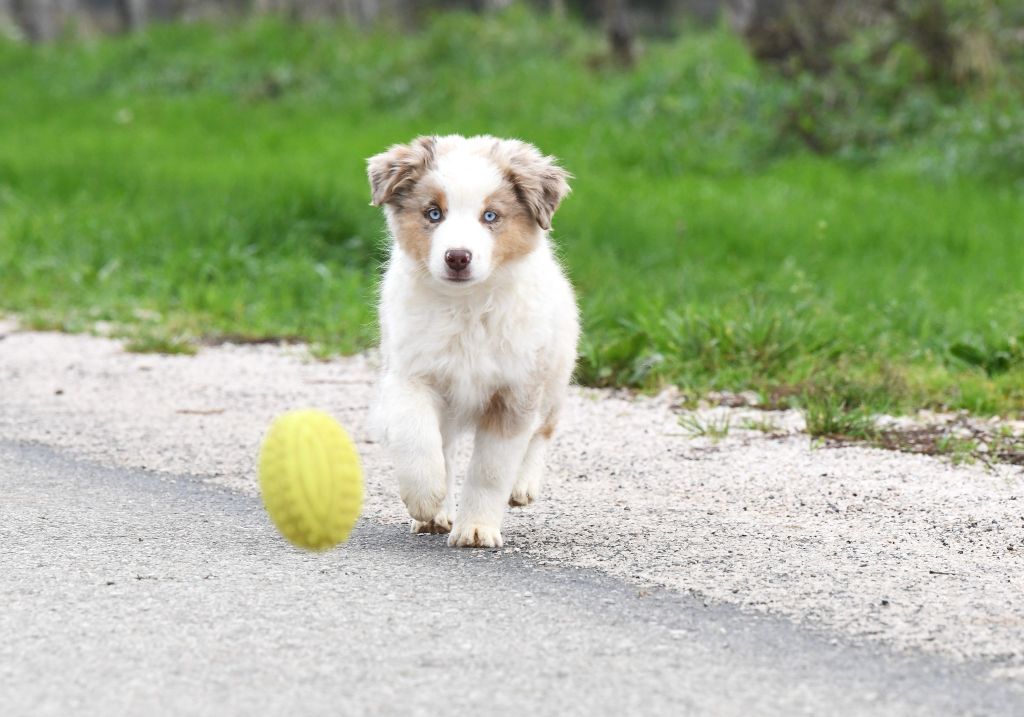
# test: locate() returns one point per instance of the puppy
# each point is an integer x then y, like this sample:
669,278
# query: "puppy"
479,326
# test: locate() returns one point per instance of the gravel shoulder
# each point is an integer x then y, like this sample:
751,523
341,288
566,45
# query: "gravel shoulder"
906,551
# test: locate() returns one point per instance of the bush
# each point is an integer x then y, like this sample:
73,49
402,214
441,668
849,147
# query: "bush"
864,76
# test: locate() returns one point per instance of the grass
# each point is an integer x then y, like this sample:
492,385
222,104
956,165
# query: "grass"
714,427
960,441
959,450
828,417
763,425
213,179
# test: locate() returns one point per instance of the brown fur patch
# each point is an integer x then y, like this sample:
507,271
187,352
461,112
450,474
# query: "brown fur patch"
507,413
398,169
413,236
548,428
539,183
413,229
515,233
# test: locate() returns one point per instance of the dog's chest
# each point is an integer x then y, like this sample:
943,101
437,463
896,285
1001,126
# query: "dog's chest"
469,352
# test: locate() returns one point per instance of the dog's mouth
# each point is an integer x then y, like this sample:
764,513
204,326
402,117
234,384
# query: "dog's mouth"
458,278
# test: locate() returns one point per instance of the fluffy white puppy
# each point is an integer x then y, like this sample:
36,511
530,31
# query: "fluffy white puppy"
478,326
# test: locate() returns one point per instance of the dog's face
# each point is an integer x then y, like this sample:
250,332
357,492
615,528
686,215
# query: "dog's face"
462,207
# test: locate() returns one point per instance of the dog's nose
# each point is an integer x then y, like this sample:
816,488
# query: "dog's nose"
458,259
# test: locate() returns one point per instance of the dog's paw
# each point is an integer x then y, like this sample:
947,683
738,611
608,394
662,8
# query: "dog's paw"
475,535
440,523
423,503
525,491
521,498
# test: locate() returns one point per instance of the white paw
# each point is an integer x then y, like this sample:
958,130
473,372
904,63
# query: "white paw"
525,491
440,523
422,502
475,535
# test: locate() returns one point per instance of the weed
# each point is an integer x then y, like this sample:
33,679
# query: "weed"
993,356
962,441
829,417
158,343
960,450
764,425
714,427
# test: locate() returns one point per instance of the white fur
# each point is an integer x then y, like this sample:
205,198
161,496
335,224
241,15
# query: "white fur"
447,348
467,179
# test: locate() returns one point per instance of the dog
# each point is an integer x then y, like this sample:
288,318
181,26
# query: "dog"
479,326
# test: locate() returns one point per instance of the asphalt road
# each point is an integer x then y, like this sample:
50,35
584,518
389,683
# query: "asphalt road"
127,592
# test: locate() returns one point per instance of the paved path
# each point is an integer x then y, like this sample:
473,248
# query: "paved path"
126,592
912,565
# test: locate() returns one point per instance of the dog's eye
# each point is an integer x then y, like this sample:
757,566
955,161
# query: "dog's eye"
434,214
490,216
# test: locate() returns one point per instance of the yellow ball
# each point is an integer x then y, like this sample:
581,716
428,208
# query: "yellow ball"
311,480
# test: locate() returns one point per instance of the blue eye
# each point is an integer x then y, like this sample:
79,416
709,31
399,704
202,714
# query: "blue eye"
490,216
434,214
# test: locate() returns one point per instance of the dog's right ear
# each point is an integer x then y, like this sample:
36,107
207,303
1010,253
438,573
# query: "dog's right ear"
399,168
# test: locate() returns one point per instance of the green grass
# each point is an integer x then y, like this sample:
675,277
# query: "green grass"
197,182
715,428
959,450
764,425
828,417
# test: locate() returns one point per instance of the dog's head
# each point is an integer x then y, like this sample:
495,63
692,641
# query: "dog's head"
463,207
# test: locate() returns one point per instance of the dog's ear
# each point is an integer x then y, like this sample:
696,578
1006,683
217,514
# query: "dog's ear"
398,168
538,181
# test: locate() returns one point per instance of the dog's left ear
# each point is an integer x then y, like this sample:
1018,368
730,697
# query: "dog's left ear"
539,183
395,170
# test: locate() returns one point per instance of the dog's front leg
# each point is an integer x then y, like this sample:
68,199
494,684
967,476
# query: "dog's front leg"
410,414
492,471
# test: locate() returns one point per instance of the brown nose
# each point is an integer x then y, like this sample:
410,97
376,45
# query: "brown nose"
458,259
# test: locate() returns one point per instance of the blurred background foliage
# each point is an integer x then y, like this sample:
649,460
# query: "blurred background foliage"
863,73
798,198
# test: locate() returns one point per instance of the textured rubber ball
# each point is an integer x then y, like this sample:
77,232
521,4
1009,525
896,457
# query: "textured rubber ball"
311,479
